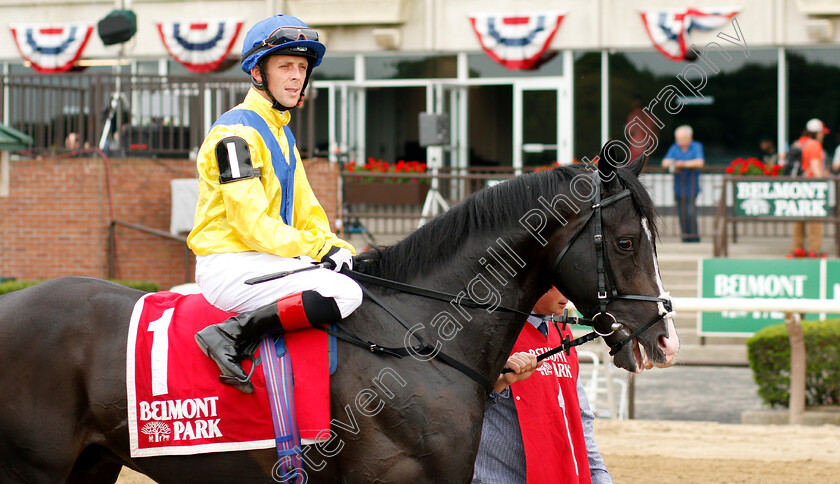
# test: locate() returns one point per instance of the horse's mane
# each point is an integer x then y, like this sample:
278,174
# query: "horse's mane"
491,210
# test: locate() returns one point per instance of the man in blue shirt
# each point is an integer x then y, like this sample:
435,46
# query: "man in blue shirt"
684,159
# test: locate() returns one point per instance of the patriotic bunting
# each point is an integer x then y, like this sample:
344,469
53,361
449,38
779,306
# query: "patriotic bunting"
51,48
201,46
516,41
668,29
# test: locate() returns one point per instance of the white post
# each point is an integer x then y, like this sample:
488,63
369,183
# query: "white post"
463,138
345,124
566,110
797,368
517,128
605,97
360,96
781,102
6,94
5,173
208,110
331,124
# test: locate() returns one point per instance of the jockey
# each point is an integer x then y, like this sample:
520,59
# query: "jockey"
257,214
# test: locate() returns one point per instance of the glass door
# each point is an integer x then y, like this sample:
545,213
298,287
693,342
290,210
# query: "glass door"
542,121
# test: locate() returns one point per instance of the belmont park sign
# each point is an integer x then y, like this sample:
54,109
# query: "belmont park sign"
784,199
766,279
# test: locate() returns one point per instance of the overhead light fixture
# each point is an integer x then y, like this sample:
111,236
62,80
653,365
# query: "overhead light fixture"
387,38
117,27
821,30
102,62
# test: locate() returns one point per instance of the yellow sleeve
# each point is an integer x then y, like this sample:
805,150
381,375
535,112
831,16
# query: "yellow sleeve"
310,215
254,217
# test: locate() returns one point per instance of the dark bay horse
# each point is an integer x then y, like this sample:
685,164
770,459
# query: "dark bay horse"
63,411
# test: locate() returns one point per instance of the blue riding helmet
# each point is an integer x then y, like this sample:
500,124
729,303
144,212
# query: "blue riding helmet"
257,44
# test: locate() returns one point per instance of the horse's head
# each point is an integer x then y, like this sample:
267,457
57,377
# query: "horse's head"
608,267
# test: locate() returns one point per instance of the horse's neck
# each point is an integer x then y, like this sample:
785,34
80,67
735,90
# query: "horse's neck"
498,272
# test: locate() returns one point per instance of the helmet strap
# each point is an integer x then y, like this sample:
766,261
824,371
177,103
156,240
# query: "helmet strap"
306,81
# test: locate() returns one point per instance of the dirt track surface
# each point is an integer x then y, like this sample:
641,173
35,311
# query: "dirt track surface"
682,452
709,452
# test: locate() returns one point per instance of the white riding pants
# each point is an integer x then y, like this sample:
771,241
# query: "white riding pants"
222,277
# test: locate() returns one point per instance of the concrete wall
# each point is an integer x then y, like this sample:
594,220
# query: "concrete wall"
55,220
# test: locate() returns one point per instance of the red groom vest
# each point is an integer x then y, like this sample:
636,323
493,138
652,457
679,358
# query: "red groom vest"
555,449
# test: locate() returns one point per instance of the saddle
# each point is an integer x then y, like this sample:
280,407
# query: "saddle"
178,406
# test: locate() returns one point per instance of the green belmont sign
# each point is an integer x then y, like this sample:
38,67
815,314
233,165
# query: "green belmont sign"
784,199
762,278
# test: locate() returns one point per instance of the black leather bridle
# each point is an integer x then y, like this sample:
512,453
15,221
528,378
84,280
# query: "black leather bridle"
591,316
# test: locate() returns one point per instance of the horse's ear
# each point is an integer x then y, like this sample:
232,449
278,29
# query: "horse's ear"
637,165
605,168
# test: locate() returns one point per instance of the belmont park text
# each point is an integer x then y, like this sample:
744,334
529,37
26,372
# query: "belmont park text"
788,198
178,410
751,285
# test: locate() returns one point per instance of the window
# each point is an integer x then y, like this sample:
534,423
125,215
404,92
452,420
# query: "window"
335,68
587,109
411,67
813,74
736,109
483,66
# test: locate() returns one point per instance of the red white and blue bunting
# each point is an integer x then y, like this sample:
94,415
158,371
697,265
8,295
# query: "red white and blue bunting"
51,48
668,29
200,46
516,41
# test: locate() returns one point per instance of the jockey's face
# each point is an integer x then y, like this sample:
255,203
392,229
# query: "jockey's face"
285,74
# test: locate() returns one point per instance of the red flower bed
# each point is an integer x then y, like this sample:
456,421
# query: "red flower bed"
380,166
752,167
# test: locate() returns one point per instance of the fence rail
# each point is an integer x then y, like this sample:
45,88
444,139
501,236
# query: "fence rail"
400,219
150,115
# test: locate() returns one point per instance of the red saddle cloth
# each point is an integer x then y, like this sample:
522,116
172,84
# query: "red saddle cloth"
178,406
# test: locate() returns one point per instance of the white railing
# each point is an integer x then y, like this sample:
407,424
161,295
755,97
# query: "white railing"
715,305
812,306
792,309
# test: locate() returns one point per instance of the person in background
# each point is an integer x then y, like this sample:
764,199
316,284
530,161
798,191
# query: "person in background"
640,127
71,143
768,155
684,159
256,212
538,426
813,166
835,160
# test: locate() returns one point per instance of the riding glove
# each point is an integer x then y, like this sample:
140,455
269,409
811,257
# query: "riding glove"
337,258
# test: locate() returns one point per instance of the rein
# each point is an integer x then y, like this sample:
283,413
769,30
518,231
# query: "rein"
565,346
424,348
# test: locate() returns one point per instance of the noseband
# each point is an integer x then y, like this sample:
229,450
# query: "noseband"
601,267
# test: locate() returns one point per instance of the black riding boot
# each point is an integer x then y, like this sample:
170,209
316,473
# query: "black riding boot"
225,342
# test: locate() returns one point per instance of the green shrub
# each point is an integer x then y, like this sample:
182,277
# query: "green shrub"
10,286
769,354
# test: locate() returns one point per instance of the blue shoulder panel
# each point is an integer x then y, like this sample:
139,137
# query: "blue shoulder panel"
285,172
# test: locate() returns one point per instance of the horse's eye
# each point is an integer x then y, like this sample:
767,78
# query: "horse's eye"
625,244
